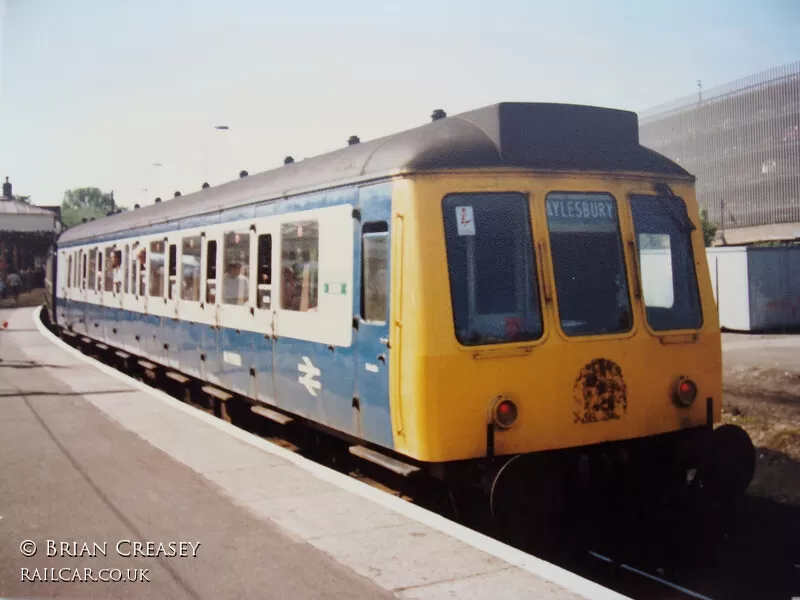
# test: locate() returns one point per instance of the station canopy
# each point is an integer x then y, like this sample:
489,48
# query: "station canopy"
18,217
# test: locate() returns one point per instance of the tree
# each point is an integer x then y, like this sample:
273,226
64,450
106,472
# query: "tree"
709,228
86,203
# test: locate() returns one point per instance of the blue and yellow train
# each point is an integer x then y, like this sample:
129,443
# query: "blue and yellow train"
516,286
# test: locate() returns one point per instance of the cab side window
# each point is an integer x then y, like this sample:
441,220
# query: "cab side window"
374,271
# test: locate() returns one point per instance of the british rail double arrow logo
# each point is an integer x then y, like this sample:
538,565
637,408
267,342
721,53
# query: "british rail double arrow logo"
311,384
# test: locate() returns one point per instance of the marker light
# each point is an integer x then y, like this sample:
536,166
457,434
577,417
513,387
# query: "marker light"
505,414
685,391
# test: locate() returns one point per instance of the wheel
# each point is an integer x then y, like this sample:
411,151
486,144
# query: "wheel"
526,502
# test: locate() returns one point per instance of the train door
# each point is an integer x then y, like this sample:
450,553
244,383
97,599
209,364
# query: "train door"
76,297
265,310
64,311
238,343
170,341
108,299
372,349
84,292
209,304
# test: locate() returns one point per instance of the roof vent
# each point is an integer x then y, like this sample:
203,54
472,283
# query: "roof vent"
288,160
177,194
205,185
158,200
353,140
242,174
438,114
136,207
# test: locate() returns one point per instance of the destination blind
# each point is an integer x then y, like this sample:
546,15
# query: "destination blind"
581,213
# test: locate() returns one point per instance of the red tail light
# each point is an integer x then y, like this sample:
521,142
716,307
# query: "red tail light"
685,391
505,414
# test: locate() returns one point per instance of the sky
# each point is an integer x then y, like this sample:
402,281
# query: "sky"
95,92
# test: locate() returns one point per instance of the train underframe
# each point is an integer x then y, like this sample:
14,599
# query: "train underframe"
684,479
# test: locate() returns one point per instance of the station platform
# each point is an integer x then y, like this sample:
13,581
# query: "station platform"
112,480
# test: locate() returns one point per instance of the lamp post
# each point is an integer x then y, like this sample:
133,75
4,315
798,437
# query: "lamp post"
205,152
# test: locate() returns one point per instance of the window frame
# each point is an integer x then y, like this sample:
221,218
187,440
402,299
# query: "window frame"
270,256
379,230
149,265
172,260
296,222
200,244
108,252
125,269
622,221
538,282
692,239
92,267
229,229
206,266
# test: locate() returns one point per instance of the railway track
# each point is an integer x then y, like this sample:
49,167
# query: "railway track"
752,562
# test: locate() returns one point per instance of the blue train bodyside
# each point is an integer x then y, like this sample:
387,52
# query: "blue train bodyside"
344,387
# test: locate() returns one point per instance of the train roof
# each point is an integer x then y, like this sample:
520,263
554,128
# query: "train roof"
509,134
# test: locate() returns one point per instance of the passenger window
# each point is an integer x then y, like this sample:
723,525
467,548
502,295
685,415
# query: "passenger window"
69,271
93,269
299,266
264,274
84,274
111,270
235,286
125,261
374,271
140,273
190,269
211,272
137,265
156,269
588,263
173,271
99,278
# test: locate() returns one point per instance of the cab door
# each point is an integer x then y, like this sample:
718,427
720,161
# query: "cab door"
372,333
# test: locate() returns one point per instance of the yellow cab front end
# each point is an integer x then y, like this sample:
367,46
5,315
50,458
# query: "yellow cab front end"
584,299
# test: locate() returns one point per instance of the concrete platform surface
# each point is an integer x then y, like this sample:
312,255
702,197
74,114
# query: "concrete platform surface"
110,479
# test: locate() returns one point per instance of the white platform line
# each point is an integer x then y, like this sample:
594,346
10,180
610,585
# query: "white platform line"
517,558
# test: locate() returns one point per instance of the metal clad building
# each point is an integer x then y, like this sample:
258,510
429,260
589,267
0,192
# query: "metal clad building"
742,141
